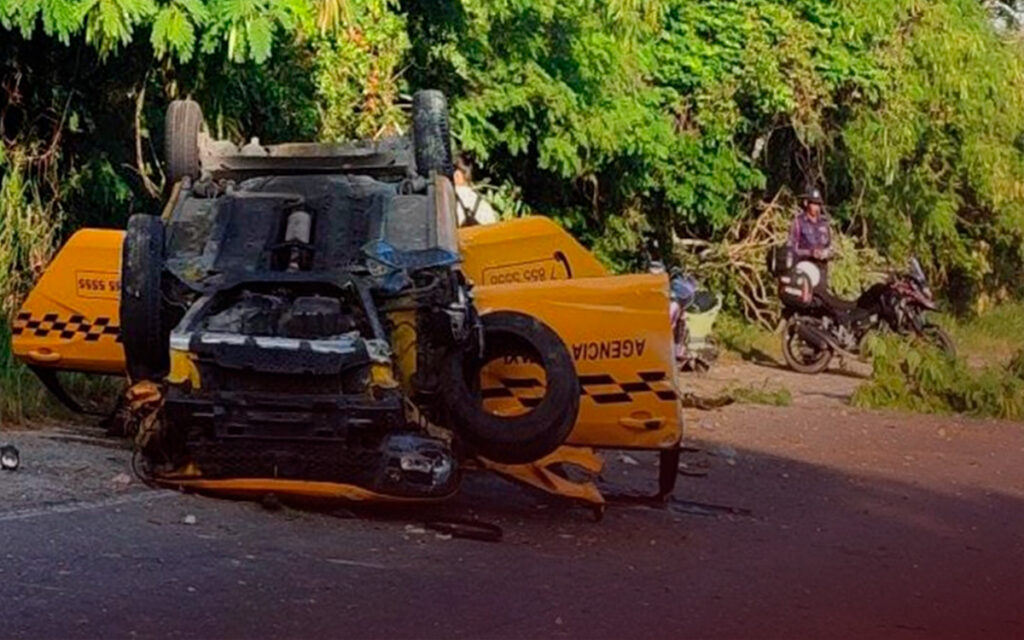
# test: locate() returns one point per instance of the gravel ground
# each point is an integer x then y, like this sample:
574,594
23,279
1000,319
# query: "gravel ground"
813,520
64,465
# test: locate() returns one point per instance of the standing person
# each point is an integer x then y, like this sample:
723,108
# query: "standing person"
471,209
810,240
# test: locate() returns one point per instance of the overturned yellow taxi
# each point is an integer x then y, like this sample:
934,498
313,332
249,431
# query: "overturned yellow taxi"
307,320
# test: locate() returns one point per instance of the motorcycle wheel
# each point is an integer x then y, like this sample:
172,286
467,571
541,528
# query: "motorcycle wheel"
800,356
936,335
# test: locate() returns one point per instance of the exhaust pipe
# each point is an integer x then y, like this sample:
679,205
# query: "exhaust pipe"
814,336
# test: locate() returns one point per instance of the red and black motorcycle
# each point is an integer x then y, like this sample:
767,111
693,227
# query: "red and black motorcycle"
819,326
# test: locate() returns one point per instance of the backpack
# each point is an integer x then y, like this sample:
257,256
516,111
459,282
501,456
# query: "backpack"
779,260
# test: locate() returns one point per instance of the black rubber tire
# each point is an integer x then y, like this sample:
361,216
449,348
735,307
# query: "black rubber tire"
143,333
523,438
794,360
431,137
181,140
936,335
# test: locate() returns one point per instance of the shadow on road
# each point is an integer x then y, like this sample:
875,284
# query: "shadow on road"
932,551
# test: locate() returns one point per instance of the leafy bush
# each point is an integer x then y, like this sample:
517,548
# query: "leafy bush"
917,377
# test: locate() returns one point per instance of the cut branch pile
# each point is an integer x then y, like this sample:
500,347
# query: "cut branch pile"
738,260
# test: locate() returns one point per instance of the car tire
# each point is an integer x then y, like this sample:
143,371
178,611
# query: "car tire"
431,135
182,123
143,332
521,438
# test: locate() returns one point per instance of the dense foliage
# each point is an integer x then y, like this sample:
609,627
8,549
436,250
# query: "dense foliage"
631,121
626,118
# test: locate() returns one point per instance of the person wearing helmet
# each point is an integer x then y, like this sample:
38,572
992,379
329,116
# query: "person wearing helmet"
810,239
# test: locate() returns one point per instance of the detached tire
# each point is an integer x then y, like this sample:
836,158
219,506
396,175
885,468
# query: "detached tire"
181,140
143,332
521,438
431,137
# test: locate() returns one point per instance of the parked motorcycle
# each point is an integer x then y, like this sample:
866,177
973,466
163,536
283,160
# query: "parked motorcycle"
820,326
692,312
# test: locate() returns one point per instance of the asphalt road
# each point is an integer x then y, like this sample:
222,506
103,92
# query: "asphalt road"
860,525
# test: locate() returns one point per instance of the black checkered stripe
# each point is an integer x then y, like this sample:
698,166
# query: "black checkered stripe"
655,382
66,328
601,388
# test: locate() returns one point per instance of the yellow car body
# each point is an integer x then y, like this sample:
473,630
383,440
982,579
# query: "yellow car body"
616,328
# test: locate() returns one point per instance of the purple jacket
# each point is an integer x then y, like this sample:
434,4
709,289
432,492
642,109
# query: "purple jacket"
806,235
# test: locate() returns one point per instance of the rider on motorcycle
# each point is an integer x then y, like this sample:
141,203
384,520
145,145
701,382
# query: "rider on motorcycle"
810,238
810,244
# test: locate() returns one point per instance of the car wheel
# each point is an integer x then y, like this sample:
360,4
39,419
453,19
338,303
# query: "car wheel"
519,437
143,333
432,143
181,140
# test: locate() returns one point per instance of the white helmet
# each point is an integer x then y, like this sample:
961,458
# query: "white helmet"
811,271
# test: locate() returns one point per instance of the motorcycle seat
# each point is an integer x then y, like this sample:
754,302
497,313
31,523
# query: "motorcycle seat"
847,310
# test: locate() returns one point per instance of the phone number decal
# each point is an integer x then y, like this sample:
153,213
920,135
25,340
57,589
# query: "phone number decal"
98,284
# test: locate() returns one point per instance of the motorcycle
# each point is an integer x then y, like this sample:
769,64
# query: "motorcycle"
692,313
819,326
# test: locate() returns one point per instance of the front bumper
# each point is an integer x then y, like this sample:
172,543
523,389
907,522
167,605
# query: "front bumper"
354,440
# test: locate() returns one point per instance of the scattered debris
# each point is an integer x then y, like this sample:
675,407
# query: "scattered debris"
684,470
465,528
693,401
271,502
10,459
341,513
724,451
356,563
121,478
627,459
189,519
706,509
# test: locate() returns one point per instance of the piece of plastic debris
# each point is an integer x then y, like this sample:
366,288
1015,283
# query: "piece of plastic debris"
630,460
409,528
189,519
121,478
